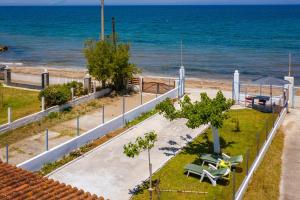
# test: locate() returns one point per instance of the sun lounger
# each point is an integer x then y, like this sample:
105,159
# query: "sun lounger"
215,159
211,172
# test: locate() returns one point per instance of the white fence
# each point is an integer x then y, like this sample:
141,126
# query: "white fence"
56,153
243,187
39,115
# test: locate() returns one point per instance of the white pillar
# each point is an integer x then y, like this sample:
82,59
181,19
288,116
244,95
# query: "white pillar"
182,72
9,115
43,103
236,86
290,87
181,81
94,85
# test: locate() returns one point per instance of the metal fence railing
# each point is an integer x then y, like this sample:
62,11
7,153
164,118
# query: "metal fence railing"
257,152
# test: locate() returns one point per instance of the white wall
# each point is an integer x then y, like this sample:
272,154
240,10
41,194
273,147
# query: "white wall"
58,152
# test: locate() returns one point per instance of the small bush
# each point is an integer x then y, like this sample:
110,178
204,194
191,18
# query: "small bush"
61,94
52,115
56,95
78,88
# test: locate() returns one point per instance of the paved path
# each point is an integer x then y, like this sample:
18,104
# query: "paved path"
290,178
108,172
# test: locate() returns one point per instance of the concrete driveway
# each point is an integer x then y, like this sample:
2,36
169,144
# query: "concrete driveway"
108,172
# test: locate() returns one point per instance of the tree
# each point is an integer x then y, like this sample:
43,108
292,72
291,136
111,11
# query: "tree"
56,95
123,70
100,59
206,111
141,144
109,61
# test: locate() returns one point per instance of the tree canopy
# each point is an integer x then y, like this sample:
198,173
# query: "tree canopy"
134,149
108,61
198,113
99,56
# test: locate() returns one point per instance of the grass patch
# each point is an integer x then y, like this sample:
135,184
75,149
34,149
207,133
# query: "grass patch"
50,167
172,177
52,120
22,103
262,186
140,118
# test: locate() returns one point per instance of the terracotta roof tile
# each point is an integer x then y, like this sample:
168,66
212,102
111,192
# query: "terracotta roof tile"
18,184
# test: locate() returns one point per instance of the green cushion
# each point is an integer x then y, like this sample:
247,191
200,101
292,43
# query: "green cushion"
197,169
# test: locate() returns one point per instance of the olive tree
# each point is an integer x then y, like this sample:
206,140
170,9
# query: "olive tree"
107,60
206,111
123,70
100,58
141,144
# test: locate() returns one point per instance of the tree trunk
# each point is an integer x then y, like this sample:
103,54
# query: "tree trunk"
103,83
217,148
150,172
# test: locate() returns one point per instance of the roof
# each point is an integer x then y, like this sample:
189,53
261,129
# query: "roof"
270,81
18,184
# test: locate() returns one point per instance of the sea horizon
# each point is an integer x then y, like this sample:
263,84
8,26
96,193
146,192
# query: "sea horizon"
255,39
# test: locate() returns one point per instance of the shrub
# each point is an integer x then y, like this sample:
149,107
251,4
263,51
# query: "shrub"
78,88
56,95
53,115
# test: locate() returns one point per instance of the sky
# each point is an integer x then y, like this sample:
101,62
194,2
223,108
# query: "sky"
145,2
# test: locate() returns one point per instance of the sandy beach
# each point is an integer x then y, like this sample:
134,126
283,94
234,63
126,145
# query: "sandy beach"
79,73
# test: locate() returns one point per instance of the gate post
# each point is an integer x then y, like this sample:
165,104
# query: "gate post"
45,79
87,83
7,76
182,80
236,87
291,90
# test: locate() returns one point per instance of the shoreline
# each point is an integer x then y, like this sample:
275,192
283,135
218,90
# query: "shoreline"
193,82
79,73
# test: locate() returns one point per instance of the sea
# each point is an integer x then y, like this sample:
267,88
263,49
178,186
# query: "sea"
216,40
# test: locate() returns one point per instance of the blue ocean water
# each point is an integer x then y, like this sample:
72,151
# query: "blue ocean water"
217,39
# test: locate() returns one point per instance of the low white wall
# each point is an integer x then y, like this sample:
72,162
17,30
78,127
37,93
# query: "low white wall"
58,152
39,115
242,189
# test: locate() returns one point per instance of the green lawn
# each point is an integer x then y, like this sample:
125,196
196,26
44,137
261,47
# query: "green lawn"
172,175
264,187
22,103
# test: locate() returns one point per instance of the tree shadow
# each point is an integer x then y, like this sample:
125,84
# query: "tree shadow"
143,187
196,148
172,149
206,146
222,182
187,138
139,189
237,169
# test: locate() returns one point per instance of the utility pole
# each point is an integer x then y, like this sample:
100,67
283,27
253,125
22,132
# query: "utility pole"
102,20
181,54
290,64
114,31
